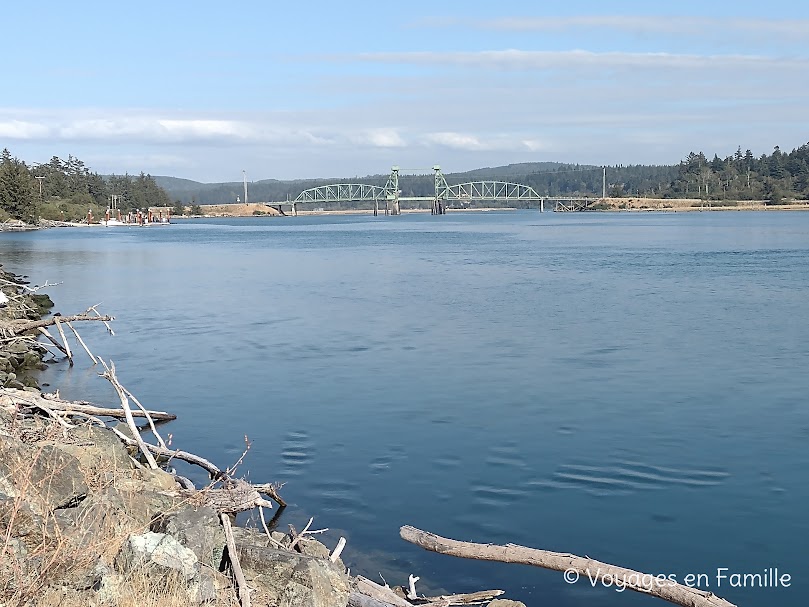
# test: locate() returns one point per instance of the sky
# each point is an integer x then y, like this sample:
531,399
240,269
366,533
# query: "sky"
206,90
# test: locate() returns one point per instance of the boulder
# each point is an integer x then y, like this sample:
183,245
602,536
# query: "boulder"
158,553
103,514
505,603
198,529
47,477
96,449
290,579
18,519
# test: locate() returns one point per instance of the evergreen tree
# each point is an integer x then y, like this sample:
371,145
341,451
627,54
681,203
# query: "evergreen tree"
17,196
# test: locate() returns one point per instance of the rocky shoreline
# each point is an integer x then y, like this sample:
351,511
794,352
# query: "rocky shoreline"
86,521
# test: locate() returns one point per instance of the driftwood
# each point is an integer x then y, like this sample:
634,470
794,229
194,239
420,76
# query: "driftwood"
587,568
109,374
371,594
27,398
236,495
470,598
233,555
383,594
12,328
357,599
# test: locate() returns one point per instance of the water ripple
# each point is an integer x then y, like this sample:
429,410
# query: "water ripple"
625,477
296,453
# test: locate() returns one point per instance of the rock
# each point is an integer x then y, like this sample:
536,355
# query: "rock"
254,537
289,579
158,479
505,603
31,359
312,547
198,529
43,302
157,552
48,477
18,519
106,513
18,347
96,449
315,583
204,589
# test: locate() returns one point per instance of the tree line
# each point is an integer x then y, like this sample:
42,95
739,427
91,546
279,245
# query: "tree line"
67,189
774,177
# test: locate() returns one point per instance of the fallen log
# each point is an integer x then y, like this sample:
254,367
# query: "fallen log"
233,556
18,327
357,599
469,598
665,589
55,403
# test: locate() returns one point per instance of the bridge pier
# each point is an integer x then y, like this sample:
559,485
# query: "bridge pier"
376,207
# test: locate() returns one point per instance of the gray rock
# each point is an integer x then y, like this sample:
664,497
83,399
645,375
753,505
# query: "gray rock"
505,603
107,512
31,360
312,547
18,519
290,579
97,449
55,475
156,552
198,529
204,589
315,583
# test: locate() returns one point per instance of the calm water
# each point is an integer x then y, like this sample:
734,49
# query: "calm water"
630,387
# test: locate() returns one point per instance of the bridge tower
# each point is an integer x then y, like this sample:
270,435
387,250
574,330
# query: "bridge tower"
441,188
392,189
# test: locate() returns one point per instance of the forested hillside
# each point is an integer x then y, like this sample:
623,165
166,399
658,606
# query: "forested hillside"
739,176
67,189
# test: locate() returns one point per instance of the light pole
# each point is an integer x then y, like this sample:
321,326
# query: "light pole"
244,174
39,179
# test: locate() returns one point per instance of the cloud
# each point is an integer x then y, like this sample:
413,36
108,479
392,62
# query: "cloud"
483,142
20,129
381,138
514,59
640,24
458,141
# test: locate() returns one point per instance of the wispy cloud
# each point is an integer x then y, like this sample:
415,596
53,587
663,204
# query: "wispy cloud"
381,138
480,142
641,24
21,129
530,60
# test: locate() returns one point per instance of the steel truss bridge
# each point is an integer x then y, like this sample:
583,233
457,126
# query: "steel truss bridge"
389,194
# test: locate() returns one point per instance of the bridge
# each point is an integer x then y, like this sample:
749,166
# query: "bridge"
390,196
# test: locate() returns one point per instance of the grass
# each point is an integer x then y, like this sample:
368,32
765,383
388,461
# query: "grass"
41,568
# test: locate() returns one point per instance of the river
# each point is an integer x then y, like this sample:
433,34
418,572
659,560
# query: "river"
631,387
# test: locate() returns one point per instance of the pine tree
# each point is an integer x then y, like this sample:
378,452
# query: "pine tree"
17,189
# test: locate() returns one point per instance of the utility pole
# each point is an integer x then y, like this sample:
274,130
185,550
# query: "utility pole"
604,182
39,179
244,173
